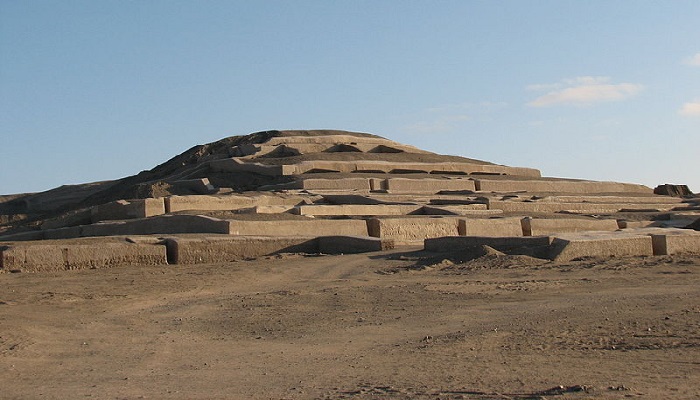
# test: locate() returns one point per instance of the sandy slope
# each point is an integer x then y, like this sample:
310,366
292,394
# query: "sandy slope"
356,326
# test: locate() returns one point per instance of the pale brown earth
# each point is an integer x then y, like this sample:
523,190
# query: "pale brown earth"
396,324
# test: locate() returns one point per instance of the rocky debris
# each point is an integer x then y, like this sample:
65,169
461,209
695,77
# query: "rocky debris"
673,190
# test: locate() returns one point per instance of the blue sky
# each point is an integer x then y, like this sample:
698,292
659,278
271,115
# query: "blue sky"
605,90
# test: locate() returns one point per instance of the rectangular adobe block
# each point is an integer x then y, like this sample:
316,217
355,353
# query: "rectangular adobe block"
163,224
409,167
569,246
404,185
377,184
542,226
615,199
623,224
326,139
266,210
537,246
106,255
205,202
335,184
352,244
491,227
545,206
201,185
237,165
227,202
128,209
464,209
357,209
408,230
31,257
584,187
224,248
682,241
297,227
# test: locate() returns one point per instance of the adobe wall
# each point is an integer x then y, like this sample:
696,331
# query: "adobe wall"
566,247
676,242
128,209
327,139
356,209
398,185
542,226
352,244
334,184
490,227
377,184
209,203
218,249
163,224
310,227
615,199
327,146
393,167
587,187
552,207
623,224
236,165
537,246
409,230
266,210
32,257
226,202
466,209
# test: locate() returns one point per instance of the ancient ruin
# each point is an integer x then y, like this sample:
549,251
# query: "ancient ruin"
335,192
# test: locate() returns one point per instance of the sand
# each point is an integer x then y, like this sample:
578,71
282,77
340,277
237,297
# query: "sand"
397,324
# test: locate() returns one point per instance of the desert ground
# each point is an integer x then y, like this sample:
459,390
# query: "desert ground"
398,324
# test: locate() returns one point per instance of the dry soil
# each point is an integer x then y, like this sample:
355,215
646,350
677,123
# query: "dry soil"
396,324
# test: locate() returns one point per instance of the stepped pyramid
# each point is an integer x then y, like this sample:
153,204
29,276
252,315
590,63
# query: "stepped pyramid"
329,191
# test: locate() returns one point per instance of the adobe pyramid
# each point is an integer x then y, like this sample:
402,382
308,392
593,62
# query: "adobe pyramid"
332,192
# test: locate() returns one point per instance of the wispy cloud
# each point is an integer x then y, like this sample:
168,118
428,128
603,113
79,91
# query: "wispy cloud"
694,60
691,109
583,90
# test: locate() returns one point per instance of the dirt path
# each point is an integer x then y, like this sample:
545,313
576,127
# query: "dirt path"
356,326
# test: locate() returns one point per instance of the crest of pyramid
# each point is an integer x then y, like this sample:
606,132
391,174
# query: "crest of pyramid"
335,192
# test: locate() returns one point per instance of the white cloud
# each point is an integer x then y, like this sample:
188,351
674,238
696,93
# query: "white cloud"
694,60
691,109
583,90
